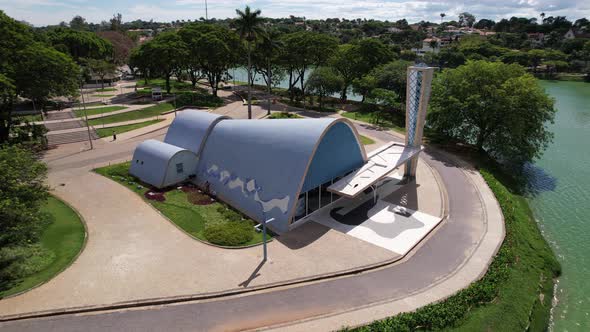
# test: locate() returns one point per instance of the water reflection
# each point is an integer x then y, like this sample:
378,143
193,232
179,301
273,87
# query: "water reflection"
537,180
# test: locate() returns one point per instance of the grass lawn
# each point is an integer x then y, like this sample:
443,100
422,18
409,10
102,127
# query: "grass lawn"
93,111
30,117
366,141
395,122
64,238
515,293
190,217
102,95
147,112
104,132
106,90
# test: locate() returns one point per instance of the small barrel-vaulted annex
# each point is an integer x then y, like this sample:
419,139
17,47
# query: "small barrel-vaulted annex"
264,168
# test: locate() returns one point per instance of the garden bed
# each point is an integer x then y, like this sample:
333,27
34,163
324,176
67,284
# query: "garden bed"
199,215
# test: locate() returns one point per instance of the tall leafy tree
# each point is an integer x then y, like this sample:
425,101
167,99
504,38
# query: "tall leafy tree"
79,23
345,63
190,34
353,61
44,73
248,23
167,52
391,76
80,44
265,60
303,51
324,81
101,69
497,107
466,19
216,50
122,45
139,59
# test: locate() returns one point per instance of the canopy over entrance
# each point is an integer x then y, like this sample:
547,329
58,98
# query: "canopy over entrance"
380,163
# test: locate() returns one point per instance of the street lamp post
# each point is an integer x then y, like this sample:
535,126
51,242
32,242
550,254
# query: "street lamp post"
174,104
86,117
265,256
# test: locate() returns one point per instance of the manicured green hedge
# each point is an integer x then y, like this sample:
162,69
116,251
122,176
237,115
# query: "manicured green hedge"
234,231
231,233
197,99
514,295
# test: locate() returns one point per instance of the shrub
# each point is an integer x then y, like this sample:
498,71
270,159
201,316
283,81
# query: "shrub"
22,261
197,99
284,115
230,233
229,214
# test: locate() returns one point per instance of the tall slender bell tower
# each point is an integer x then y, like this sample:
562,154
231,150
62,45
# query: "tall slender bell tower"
417,96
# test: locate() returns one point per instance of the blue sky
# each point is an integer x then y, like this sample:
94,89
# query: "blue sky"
43,12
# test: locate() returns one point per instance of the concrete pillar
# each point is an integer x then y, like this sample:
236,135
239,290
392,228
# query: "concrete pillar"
417,97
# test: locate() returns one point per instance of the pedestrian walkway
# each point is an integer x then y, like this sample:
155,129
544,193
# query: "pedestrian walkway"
238,110
57,126
59,115
70,137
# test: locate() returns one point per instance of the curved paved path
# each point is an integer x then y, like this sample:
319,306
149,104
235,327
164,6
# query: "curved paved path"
456,254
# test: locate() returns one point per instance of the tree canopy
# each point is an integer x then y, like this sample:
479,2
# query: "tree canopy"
324,81
31,69
497,107
22,191
80,44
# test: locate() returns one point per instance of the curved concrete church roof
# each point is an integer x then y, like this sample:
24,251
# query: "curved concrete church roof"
190,129
261,166
151,160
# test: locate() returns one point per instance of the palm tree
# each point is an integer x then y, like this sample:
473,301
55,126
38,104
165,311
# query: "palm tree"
248,23
542,18
442,15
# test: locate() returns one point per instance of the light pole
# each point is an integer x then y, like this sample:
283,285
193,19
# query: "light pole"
264,237
86,117
174,104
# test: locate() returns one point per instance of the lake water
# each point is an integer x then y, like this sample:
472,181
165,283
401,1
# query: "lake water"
562,206
241,74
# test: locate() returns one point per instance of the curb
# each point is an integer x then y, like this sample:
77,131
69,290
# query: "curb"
313,320
216,295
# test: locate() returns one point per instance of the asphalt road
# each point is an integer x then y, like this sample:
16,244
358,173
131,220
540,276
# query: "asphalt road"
435,260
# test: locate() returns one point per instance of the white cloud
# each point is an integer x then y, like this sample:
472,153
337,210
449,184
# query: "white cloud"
41,12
